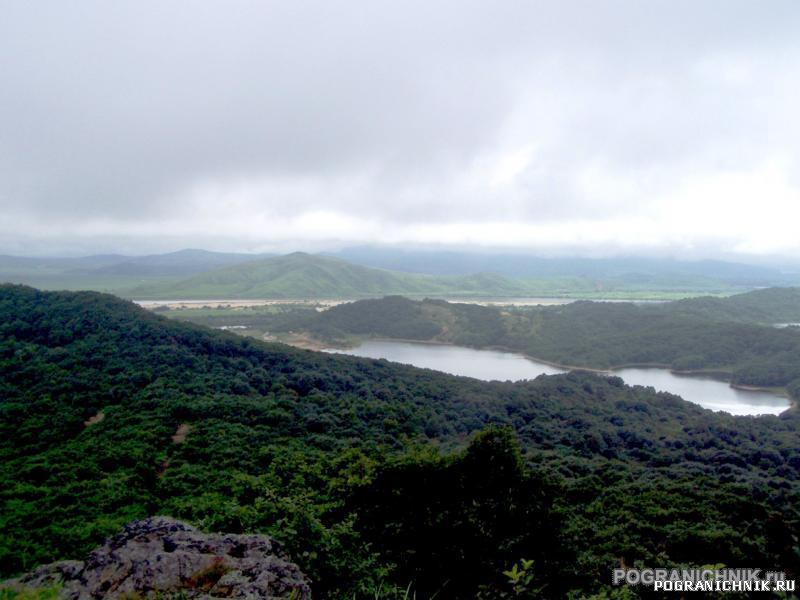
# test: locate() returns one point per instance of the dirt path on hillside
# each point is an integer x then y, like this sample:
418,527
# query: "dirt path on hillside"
94,419
181,433
178,437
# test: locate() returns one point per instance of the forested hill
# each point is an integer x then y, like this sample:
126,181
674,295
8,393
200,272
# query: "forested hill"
735,335
765,307
111,413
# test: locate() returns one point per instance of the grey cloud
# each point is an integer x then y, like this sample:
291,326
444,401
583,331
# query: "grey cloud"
379,110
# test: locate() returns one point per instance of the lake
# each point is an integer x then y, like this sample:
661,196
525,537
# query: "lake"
494,365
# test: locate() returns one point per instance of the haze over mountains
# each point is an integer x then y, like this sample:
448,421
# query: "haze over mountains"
451,262
202,202
369,272
302,275
182,262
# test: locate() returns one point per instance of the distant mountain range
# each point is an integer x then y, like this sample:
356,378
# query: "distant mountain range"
115,272
301,275
181,263
523,266
369,272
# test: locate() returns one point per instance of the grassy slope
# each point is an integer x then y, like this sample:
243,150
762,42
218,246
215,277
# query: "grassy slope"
202,274
301,275
116,273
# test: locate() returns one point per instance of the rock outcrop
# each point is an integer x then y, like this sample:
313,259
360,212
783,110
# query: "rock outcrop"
164,558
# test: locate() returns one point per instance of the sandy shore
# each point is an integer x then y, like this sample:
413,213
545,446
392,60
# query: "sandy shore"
191,304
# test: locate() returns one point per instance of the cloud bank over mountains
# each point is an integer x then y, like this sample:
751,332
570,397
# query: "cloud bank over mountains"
580,127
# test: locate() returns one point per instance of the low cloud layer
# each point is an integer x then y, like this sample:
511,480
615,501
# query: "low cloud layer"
581,127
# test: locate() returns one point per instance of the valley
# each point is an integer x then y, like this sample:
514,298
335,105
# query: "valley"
731,339
210,401
399,300
315,450
493,365
194,274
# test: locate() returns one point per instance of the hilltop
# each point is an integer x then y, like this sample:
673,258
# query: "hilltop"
114,272
371,475
375,272
180,264
302,275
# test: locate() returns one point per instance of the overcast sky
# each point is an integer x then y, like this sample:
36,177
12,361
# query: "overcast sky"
594,127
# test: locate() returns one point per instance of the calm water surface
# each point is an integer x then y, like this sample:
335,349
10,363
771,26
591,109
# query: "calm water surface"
493,365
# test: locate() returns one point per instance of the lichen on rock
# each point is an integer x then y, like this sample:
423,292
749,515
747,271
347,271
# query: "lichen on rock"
162,557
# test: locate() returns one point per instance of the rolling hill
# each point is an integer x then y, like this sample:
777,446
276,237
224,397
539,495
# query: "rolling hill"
181,263
665,272
114,272
301,275
736,338
374,272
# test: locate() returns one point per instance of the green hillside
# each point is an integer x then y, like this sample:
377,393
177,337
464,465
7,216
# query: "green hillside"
650,271
201,274
177,264
114,272
735,337
301,275
376,477
768,306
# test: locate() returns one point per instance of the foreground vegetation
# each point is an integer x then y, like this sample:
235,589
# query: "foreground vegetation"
375,476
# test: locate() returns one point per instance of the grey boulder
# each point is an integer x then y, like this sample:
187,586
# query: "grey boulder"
165,558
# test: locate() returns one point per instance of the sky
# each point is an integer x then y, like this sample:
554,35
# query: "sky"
569,127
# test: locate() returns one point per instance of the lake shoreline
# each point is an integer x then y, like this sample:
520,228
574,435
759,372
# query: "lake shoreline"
714,374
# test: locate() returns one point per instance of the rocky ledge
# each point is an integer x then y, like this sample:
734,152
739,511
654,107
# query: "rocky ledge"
163,558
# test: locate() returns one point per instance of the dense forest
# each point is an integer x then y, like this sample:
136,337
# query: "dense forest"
732,337
375,476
